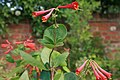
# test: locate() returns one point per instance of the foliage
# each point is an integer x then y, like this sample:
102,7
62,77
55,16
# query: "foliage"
109,6
8,10
84,44
48,61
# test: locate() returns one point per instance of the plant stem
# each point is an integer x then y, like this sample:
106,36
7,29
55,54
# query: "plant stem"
50,56
87,66
51,68
52,74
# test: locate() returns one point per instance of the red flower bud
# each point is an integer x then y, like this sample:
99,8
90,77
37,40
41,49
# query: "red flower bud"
103,71
7,51
38,13
18,42
4,45
8,42
30,45
95,72
78,70
74,5
46,17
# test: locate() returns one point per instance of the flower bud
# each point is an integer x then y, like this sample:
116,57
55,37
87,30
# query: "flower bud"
78,70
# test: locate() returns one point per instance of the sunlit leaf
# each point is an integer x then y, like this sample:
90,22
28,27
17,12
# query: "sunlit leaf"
59,75
24,76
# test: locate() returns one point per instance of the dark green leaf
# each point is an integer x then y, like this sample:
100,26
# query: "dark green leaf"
9,58
70,76
45,75
53,37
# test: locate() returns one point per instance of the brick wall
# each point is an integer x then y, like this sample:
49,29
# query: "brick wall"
16,32
108,29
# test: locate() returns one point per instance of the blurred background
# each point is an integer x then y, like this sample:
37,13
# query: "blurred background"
93,31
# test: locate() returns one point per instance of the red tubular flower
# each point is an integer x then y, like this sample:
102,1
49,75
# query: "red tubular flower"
95,72
46,17
8,42
103,71
8,46
100,73
74,5
4,45
38,13
18,42
78,70
7,51
30,45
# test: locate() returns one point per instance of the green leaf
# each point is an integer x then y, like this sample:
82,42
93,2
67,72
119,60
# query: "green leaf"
45,55
16,70
53,37
70,76
30,60
9,58
66,69
1,78
60,60
45,75
59,75
24,76
15,78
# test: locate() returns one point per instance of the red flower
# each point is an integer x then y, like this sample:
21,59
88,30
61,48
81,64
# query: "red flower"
18,42
8,46
4,45
78,70
45,18
8,50
27,43
95,72
74,5
38,13
103,71
30,45
100,73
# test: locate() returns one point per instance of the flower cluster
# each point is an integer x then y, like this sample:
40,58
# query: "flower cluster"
99,73
7,45
74,5
28,43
